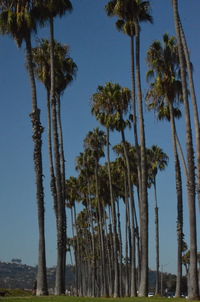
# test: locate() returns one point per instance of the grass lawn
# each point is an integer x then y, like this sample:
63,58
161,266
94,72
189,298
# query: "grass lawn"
80,299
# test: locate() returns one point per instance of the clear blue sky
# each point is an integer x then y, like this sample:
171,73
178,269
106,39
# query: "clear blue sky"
102,54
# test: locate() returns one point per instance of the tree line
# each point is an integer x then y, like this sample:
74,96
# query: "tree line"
107,262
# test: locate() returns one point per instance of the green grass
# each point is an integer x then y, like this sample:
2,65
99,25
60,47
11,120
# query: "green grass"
85,299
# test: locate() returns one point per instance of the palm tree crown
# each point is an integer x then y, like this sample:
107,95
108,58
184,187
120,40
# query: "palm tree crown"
163,61
158,160
129,12
65,67
109,105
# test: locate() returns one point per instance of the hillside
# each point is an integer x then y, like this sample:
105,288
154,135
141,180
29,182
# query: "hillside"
22,276
17,275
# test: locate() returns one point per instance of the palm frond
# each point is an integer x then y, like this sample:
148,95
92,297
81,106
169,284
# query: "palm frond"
150,75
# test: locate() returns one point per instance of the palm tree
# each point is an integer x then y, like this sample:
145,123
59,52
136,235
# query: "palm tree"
127,12
131,13
49,9
163,60
118,100
120,125
72,195
158,160
19,20
95,142
102,107
85,164
64,72
132,228
194,101
193,275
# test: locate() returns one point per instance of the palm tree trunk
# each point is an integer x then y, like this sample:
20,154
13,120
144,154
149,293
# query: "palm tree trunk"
157,289
109,254
37,138
182,155
93,269
102,247
62,157
194,102
128,238
179,203
133,95
144,224
127,227
136,143
52,173
132,206
77,256
193,274
60,283
116,268
120,250
75,250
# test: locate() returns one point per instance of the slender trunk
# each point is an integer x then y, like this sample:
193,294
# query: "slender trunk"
109,251
60,283
126,251
193,274
88,252
105,244
132,206
93,273
37,155
143,288
182,155
78,257
194,102
75,251
62,157
52,173
157,290
120,250
107,256
133,95
102,248
179,203
116,269
138,240
128,239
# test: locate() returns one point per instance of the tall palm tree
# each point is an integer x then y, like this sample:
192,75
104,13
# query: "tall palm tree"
121,107
85,164
61,219
102,107
72,195
193,275
132,228
131,13
118,100
64,72
19,20
127,11
95,142
48,10
158,160
163,61
194,101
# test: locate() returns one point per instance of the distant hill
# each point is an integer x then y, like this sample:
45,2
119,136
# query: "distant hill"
17,275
